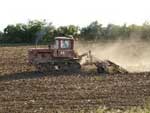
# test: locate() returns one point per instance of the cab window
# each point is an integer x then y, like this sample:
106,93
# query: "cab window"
56,45
65,44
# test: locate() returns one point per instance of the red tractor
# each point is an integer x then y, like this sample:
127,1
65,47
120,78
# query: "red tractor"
61,56
58,56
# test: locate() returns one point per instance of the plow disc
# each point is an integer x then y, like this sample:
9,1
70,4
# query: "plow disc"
109,67
103,66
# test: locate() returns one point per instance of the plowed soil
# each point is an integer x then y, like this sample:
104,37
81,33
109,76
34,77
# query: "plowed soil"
23,90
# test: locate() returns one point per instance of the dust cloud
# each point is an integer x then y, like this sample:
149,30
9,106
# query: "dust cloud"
130,54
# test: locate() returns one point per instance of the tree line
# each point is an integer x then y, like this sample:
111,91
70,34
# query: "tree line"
44,32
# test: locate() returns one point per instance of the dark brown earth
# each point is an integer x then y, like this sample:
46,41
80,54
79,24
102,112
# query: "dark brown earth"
24,90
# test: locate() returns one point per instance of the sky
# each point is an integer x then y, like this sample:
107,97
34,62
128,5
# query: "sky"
76,12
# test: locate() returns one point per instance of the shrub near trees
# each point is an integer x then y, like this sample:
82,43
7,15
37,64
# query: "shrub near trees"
28,33
22,33
111,32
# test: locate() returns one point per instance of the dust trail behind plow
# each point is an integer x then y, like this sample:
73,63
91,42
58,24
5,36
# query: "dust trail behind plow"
130,54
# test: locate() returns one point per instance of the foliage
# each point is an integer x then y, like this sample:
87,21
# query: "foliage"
92,32
42,31
22,33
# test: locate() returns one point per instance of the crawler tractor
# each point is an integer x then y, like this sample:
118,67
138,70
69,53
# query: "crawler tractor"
61,56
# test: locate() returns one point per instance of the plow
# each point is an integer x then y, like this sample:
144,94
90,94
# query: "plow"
103,66
61,56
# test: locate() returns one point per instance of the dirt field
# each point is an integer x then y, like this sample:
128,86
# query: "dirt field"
24,90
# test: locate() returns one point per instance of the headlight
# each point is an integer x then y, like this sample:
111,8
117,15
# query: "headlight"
62,52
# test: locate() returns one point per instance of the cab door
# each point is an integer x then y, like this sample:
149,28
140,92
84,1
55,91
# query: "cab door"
55,48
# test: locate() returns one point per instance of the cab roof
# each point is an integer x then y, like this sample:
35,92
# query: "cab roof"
67,38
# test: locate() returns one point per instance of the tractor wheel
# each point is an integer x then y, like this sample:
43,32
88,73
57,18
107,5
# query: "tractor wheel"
100,70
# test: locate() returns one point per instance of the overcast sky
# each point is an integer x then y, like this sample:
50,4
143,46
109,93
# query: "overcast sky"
77,12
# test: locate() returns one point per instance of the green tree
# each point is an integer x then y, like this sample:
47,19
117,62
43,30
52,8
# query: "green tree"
23,33
67,30
1,37
11,34
93,31
34,27
112,32
146,31
49,33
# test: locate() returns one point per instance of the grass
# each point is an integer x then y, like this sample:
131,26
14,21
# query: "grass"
144,109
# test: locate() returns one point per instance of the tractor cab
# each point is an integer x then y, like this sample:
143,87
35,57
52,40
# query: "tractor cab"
63,47
63,43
